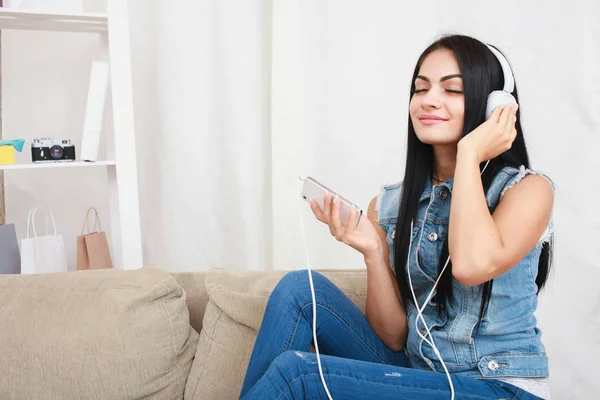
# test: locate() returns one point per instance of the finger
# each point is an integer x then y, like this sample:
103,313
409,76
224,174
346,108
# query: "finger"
351,221
513,135
510,138
512,118
327,206
496,114
504,115
317,211
335,217
509,125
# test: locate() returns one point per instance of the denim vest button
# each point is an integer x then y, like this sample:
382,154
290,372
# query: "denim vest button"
492,365
443,194
432,236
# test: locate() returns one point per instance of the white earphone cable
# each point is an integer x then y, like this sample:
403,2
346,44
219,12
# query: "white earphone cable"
419,308
314,302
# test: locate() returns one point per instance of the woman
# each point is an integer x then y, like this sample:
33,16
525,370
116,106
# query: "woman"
495,226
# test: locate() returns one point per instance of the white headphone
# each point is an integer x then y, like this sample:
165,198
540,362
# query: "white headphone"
504,96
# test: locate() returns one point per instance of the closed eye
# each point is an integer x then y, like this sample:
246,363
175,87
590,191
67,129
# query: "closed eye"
447,90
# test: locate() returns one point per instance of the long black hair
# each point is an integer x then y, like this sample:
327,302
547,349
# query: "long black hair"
481,74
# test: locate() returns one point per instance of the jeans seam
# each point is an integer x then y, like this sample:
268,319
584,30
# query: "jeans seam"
516,393
303,307
288,341
281,393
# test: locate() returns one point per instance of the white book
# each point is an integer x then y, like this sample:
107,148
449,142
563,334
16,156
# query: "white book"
94,112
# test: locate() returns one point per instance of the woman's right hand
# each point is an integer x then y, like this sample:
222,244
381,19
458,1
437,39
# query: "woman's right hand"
362,237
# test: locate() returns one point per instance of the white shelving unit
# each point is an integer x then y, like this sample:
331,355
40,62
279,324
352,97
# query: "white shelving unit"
74,164
42,21
125,233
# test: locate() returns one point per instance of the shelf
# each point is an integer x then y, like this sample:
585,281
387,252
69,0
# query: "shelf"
74,164
44,21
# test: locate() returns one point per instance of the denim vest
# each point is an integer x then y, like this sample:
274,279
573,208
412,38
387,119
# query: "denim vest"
507,342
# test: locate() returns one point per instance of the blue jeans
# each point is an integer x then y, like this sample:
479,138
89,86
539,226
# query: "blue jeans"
357,365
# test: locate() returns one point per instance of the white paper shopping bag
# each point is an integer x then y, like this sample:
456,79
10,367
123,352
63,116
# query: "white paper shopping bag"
42,253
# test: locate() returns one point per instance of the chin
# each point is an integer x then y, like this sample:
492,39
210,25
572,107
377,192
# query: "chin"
437,138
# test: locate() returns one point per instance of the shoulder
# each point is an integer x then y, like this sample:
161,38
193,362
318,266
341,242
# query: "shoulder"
529,193
508,177
531,179
385,205
531,188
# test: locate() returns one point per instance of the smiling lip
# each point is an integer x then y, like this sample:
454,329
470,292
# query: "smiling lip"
431,119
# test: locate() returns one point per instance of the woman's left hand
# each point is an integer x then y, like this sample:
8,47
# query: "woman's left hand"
494,136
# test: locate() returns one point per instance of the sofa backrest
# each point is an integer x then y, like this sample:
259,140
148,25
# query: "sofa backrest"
197,297
106,334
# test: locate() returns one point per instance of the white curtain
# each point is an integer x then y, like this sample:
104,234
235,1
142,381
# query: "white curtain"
206,178
251,94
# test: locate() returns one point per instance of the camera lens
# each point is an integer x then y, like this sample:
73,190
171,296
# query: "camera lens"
56,152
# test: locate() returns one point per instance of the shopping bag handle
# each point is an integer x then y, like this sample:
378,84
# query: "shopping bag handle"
97,226
31,220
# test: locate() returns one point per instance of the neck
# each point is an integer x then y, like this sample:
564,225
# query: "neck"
444,162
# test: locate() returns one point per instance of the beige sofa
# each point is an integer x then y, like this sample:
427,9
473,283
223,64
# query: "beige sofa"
143,334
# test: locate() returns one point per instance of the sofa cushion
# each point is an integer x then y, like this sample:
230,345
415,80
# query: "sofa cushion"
98,334
233,315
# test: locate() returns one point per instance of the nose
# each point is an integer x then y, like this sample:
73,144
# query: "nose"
431,100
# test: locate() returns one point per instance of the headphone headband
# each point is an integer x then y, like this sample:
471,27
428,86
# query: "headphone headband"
509,81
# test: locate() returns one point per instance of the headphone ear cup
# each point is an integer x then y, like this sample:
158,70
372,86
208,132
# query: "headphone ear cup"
498,98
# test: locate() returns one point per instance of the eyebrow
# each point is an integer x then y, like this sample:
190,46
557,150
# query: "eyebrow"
444,78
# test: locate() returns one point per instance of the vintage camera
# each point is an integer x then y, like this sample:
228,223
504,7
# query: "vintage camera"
52,150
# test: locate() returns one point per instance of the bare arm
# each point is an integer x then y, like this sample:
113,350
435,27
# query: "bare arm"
483,246
384,309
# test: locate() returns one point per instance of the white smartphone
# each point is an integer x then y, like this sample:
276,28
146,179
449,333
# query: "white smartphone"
313,189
